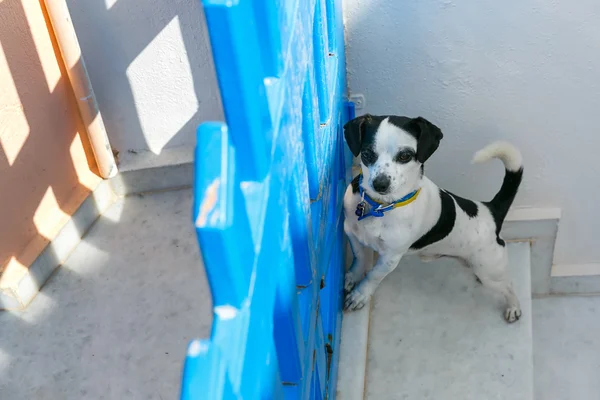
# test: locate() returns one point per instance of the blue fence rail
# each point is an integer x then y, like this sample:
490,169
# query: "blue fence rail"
267,202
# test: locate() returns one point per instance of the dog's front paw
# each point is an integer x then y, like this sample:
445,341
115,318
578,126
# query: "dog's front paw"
512,314
356,299
350,282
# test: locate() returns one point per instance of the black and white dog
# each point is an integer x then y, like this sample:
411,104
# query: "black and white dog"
392,208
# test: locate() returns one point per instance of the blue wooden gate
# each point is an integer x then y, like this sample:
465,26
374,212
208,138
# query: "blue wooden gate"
267,202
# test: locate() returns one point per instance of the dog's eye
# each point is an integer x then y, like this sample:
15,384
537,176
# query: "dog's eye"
368,156
403,157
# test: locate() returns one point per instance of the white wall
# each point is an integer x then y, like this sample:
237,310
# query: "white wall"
151,68
526,71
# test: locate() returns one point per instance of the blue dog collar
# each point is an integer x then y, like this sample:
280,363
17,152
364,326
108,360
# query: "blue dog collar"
378,209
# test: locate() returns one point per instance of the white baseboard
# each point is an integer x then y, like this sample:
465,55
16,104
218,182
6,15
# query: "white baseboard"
144,171
575,279
139,172
21,290
563,270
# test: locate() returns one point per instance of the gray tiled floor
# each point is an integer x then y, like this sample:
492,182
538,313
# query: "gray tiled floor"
115,320
566,348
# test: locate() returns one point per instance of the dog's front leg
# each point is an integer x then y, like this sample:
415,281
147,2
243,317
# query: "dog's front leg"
361,294
362,257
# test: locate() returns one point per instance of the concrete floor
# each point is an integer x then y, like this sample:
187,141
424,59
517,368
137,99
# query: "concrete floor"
115,320
566,348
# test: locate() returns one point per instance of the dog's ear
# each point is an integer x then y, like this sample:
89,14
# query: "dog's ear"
354,131
428,137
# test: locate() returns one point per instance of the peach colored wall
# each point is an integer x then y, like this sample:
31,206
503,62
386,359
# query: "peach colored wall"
46,167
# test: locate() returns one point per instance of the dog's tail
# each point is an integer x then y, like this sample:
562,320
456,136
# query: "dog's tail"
513,163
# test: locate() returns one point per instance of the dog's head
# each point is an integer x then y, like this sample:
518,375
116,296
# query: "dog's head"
392,151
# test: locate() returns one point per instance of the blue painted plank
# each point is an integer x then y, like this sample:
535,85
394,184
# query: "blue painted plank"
219,215
234,41
267,202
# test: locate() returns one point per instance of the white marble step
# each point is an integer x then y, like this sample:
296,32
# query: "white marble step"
435,333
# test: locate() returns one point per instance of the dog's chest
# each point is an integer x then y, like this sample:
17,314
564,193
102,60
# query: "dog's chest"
382,233
370,232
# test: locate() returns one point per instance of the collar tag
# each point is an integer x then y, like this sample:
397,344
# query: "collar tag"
360,209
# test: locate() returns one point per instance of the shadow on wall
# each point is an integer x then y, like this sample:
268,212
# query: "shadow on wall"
46,164
151,67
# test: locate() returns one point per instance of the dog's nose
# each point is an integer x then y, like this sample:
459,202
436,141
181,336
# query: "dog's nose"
381,183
